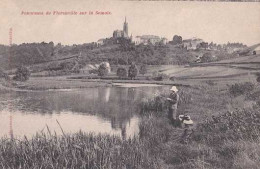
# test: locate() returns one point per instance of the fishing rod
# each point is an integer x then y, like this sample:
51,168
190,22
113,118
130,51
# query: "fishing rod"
154,94
146,92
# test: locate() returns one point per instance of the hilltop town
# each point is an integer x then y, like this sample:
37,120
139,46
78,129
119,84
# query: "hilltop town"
122,48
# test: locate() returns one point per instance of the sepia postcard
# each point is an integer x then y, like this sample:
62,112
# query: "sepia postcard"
131,84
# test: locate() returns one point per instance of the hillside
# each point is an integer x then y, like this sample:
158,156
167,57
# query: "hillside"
47,56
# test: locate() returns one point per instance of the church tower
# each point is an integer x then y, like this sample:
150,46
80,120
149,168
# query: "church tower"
125,28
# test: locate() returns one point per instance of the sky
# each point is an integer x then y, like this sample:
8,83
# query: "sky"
220,22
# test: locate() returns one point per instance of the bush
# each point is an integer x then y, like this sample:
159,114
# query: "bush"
210,82
132,71
160,76
22,74
143,70
240,124
241,88
93,71
154,105
4,75
258,77
121,72
207,57
102,70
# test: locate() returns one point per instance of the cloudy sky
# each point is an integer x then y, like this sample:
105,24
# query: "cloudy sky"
219,22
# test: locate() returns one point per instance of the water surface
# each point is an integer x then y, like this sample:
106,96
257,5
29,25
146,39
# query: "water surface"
109,110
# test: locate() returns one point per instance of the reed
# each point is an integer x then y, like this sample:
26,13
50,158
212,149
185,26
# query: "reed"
79,150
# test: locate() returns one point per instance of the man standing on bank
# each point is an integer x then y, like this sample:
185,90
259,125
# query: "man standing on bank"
173,104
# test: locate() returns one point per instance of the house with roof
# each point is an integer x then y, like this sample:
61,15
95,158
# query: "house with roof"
148,39
192,44
100,42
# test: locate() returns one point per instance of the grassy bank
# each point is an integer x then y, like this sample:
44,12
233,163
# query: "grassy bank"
46,83
226,135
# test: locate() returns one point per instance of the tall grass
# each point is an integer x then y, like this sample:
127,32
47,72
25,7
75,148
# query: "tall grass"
75,151
222,138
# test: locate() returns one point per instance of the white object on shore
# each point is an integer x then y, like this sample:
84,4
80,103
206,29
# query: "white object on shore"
188,122
187,119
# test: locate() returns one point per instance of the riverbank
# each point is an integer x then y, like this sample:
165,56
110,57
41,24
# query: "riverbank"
49,83
226,136
52,83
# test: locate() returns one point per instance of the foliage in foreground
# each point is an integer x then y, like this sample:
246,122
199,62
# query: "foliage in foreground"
75,151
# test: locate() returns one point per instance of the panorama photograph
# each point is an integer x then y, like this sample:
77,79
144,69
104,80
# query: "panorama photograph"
111,84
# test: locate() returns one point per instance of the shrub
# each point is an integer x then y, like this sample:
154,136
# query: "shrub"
132,71
102,70
93,71
210,82
240,124
143,70
161,77
238,89
258,77
207,57
4,75
22,74
153,105
121,72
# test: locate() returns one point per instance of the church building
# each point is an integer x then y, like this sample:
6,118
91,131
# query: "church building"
122,33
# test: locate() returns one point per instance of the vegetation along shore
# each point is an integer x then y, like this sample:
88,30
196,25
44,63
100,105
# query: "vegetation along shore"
226,135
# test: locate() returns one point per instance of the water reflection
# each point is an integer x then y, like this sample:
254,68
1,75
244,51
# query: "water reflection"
111,110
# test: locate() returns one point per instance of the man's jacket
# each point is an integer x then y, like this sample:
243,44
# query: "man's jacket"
173,99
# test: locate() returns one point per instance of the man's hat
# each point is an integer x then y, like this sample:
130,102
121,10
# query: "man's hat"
174,88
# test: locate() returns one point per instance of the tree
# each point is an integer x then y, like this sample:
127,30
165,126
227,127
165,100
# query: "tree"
143,70
207,57
132,71
4,75
176,40
121,72
102,70
204,45
22,74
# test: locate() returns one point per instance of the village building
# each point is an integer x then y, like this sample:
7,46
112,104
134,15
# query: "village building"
100,42
136,40
149,39
164,41
257,50
144,39
192,44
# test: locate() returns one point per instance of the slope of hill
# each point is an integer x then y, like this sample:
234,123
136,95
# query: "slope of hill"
47,56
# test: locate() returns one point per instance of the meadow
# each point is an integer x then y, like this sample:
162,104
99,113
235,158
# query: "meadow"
226,135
